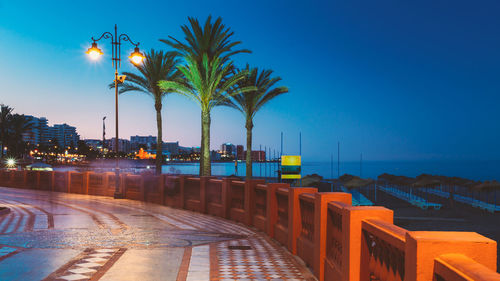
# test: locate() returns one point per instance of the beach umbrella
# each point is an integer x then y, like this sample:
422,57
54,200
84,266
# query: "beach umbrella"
425,180
487,185
357,182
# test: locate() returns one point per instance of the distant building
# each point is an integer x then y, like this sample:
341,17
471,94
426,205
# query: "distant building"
257,155
185,150
240,152
228,150
38,132
123,145
215,155
64,134
93,143
149,142
170,148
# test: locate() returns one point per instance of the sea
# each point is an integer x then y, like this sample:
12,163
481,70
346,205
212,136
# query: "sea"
474,170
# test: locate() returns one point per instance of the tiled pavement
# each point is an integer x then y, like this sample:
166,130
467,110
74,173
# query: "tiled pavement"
131,240
255,258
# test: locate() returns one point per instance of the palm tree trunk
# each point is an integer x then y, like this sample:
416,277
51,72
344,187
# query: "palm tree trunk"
3,139
205,166
248,160
201,145
159,142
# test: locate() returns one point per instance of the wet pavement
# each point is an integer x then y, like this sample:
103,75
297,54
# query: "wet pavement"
60,236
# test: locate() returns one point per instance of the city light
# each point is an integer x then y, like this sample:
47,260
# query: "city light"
94,52
10,163
136,57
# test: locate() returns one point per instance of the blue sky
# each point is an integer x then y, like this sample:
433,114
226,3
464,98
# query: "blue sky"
394,80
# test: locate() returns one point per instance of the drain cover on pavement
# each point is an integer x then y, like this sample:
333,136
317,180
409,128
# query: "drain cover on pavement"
232,247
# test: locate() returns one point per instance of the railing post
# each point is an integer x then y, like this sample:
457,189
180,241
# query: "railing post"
182,182
249,196
142,189
68,180
85,182
123,181
52,181
226,188
321,200
203,193
37,180
105,183
294,219
25,179
423,247
352,218
272,206
161,188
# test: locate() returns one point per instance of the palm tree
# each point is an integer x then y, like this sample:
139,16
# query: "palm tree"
157,66
5,116
249,102
18,125
208,73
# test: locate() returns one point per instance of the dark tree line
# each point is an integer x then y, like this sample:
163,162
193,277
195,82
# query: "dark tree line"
12,128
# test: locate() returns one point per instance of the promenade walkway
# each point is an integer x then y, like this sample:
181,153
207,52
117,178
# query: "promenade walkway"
61,236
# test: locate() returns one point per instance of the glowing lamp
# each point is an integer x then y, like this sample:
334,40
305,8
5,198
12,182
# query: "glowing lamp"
136,57
11,162
94,52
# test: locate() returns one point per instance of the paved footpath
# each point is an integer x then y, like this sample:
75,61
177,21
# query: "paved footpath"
60,236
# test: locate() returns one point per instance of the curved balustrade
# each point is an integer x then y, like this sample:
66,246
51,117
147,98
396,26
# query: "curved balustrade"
338,241
305,242
384,246
237,201
456,267
152,188
281,226
216,192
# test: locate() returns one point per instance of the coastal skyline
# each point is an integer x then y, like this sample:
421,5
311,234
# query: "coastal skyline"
391,80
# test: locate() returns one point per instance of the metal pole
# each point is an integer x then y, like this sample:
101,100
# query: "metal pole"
275,163
281,152
117,168
116,60
260,161
338,159
300,143
361,165
265,161
331,172
103,134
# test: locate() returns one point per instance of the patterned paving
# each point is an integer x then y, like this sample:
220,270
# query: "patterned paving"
88,265
103,229
255,258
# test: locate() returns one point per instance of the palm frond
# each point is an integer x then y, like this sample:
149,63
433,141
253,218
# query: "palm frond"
255,90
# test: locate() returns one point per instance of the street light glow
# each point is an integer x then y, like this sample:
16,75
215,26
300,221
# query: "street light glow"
11,162
94,52
136,57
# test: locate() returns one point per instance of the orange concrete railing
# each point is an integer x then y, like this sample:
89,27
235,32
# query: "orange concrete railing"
237,193
282,209
193,194
336,240
173,192
216,197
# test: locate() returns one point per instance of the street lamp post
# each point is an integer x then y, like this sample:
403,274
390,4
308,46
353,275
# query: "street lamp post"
136,58
103,134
